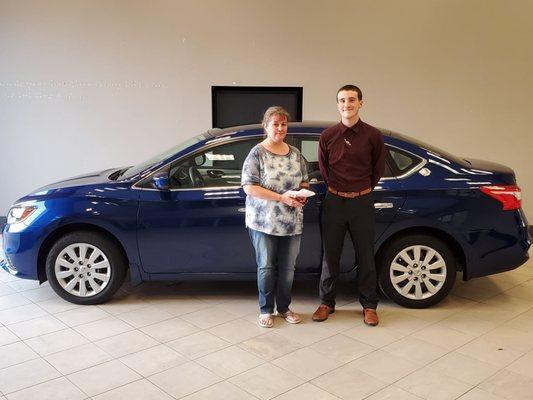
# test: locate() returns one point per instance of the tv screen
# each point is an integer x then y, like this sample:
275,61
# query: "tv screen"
242,105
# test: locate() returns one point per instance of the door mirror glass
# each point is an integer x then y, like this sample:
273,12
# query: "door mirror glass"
161,181
199,160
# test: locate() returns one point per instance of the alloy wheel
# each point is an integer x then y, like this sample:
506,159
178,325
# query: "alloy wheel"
418,272
82,269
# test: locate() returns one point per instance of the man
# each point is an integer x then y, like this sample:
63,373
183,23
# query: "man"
352,159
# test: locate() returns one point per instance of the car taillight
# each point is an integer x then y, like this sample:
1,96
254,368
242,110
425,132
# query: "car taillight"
509,196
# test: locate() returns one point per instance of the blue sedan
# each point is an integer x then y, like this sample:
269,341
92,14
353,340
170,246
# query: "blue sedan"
180,215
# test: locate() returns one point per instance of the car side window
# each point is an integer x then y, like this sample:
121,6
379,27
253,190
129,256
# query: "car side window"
218,166
387,172
401,161
309,150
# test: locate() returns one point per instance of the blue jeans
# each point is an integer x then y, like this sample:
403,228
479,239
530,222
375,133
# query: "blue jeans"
275,257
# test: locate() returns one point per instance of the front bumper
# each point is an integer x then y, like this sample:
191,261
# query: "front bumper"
7,266
21,248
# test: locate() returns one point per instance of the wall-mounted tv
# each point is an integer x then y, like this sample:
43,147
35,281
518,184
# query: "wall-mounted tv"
242,105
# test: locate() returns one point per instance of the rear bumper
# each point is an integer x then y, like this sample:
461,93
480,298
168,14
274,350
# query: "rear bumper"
499,250
510,261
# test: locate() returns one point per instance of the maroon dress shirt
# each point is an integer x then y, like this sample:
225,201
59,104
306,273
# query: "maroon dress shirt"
351,159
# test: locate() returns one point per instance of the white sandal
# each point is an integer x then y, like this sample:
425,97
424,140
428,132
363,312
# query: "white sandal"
265,321
291,317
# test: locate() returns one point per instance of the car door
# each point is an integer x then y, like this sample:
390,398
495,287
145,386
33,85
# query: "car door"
198,226
310,258
388,198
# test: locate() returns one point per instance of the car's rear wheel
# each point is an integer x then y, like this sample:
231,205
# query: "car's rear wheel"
85,267
416,271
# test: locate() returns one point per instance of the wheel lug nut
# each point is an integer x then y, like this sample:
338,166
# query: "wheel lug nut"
423,267
88,274
410,272
76,269
80,275
415,265
416,278
88,265
80,262
423,275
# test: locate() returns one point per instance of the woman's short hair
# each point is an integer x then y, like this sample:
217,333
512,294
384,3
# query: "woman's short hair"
271,112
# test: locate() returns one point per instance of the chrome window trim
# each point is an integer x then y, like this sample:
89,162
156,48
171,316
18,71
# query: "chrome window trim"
212,144
406,174
205,189
411,171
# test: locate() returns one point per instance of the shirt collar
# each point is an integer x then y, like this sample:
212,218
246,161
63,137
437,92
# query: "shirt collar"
356,128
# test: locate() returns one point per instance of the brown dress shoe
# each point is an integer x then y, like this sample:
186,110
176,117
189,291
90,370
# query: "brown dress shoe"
322,312
370,316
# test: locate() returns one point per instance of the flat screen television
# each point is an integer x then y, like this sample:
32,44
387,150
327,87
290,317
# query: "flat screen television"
242,105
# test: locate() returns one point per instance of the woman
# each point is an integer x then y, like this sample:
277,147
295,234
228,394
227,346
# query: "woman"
273,217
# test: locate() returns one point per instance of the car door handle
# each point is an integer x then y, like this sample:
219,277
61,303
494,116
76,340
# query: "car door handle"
383,205
234,194
242,210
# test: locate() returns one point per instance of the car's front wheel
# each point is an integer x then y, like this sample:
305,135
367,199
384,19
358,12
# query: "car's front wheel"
85,267
416,271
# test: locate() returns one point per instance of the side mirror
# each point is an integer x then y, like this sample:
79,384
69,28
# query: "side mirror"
199,160
161,181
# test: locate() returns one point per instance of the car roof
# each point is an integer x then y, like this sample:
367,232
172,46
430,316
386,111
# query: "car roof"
218,135
314,125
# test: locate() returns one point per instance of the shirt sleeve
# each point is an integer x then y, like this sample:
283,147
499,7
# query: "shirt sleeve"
323,157
251,169
378,159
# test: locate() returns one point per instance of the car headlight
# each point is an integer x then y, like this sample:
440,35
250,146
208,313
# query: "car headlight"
19,213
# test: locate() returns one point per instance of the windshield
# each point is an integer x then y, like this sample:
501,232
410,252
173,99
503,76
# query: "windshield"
130,172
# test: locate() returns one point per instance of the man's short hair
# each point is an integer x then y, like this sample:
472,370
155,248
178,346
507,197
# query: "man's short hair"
352,88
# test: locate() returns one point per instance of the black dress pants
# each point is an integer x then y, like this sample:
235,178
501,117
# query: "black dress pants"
355,216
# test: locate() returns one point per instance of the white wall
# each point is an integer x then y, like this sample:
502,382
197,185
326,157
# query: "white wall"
86,85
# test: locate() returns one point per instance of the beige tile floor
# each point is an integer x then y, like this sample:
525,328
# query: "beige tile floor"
201,341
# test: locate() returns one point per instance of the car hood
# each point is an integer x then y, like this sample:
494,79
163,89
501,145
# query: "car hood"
92,178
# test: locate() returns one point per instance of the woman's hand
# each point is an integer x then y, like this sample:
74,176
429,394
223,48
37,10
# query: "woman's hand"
287,199
263,193
302,200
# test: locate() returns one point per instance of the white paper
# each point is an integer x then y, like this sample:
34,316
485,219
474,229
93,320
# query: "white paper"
301,193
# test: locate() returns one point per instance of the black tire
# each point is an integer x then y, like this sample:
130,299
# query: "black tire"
106,274
413,286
